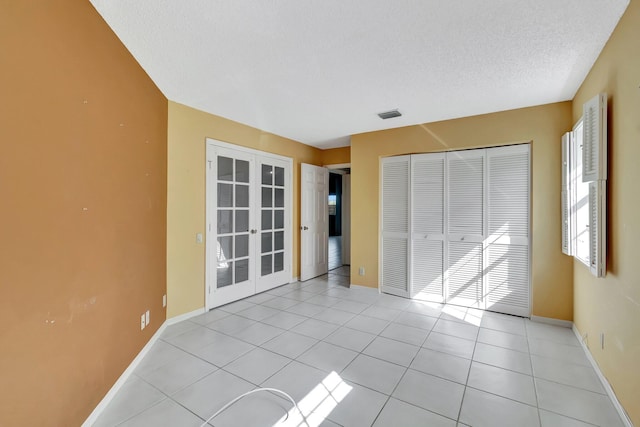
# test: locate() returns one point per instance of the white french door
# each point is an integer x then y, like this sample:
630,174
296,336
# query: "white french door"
455,228
248,245
314,221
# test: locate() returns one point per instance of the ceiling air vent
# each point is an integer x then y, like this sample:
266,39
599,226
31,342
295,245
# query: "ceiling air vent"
389,114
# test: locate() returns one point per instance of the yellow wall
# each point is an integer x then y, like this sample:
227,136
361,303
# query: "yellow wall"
187,131
543,125
83,162
336,156
612,304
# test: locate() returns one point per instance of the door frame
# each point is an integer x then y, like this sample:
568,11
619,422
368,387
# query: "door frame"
210,210
336,168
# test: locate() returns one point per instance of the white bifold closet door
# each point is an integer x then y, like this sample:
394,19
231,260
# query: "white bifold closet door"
427,226
507,244
455,228
394,220
465,227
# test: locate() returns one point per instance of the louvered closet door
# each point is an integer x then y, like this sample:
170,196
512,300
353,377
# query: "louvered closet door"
507,244
427,226
465,227
395,225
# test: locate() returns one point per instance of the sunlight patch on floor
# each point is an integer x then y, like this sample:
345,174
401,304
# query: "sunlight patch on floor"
317,404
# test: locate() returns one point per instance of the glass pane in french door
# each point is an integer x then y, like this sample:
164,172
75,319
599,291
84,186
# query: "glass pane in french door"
272,212
233,216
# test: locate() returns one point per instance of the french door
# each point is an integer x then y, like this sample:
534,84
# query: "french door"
248,245
455,228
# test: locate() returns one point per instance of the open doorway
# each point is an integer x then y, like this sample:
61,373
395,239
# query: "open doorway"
339,210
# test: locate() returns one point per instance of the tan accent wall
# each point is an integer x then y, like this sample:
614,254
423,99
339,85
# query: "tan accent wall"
543,126
611,305
188,129
336,156
83,134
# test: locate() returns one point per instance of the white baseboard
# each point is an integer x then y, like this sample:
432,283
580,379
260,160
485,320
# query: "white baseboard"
123,378
607,387
363,288
552,321
185,316
134,364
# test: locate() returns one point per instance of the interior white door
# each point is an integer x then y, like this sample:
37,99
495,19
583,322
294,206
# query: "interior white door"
394,224
231,226
465,227
314,221
427,226
507,243
346,219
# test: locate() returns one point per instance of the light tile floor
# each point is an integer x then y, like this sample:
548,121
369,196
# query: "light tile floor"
353,357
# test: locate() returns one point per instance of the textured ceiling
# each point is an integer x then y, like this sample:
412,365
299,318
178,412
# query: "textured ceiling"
318,71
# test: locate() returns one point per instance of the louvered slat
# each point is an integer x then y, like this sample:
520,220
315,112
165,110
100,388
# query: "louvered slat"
507,269
597,228
428,269
466,194
427,214
395,195
565,223
465,273
508,276
395,225
394,266
508,192
594,152
427,217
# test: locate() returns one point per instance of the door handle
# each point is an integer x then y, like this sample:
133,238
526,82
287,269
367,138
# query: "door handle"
254,231
304,227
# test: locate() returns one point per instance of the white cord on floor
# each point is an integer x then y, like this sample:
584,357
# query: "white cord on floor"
275,390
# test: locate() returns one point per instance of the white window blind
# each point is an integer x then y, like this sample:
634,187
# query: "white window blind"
594,153
597,227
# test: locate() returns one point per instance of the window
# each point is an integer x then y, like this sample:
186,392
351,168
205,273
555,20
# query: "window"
332,204
578,197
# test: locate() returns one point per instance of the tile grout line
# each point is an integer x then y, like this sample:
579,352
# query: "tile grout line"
466,385
370,303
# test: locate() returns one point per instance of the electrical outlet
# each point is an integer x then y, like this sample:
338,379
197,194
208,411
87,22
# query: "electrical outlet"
146,317
199,238
361,271
142,322
164,300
